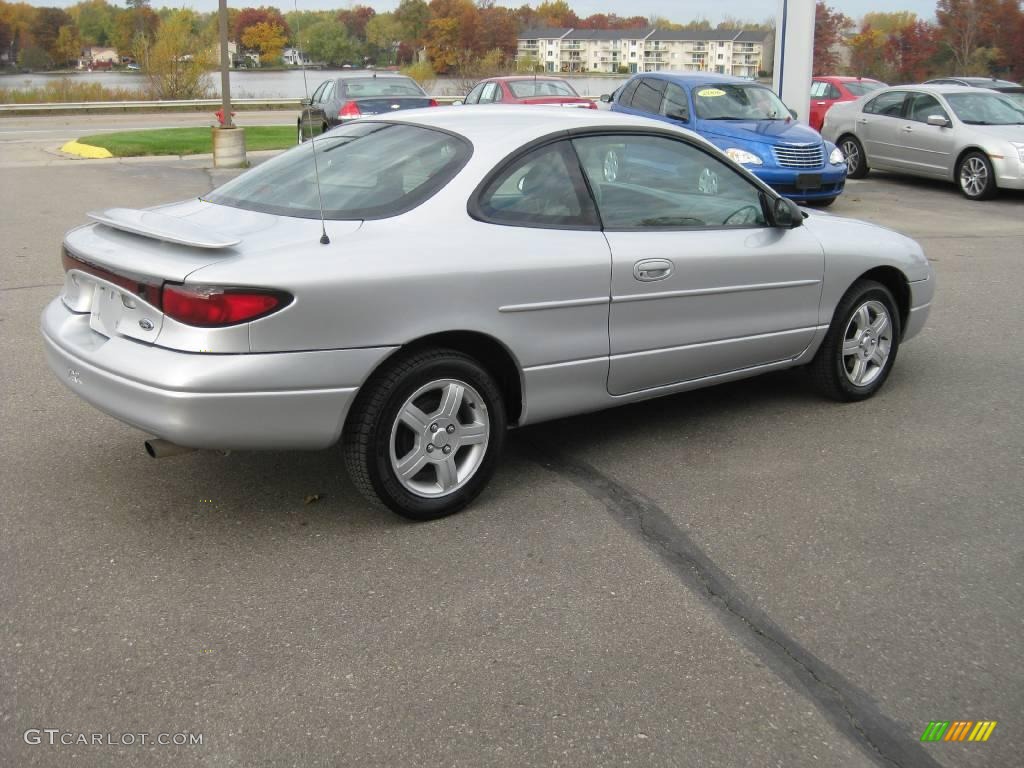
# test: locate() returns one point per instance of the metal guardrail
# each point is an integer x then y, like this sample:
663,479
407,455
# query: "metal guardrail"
87,106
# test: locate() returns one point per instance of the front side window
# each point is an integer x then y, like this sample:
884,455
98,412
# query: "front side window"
540,189
924,105
733,101
648,95
474,96
368,170
489,94
888,104
655,182
675,105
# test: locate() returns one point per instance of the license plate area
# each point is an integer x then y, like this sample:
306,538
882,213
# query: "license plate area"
113,311
807,182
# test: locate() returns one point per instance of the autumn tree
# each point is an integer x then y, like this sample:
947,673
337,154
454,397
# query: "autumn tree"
384,32
268,39
328,42
46,27
249,17
830,27
95,21
68,46
414,16
355,20
134,27
556,13
176,62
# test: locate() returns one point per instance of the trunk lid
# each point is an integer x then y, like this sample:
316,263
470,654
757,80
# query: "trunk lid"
377,105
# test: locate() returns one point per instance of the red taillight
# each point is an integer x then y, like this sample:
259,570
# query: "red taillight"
349,109
211,307
433,103
592,105
147,288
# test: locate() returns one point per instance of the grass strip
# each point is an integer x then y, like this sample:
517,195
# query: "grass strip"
186,141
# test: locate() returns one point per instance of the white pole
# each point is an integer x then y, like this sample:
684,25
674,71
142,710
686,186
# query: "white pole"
794,54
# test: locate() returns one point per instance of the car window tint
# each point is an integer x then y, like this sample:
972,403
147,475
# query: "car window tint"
675,103
543,189
654,182
818,89
327,93
367,170
525,89
648,95
889,104
923,105
315,98
474,95
626,97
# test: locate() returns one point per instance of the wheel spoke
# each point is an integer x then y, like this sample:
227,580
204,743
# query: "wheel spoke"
472,434
452,400
862,318
414,418
447,473
851,347
881,324
412,463
859,368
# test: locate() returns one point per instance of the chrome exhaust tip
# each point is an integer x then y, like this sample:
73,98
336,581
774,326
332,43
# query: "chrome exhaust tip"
159,449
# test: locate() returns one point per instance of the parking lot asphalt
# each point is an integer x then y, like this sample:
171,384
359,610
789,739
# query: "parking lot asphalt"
740,575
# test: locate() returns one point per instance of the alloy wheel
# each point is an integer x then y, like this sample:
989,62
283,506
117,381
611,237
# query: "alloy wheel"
439,438
974,176
852,153
867,343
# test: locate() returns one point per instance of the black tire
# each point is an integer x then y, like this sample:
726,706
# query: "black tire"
824,202
833,373
368,434
856,161
975,177
300,134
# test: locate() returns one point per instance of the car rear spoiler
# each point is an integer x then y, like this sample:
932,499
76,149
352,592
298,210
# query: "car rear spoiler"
160,226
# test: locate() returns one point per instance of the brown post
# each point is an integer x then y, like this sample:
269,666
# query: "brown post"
225,66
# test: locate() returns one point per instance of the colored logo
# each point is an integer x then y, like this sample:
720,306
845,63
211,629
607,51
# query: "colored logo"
958,730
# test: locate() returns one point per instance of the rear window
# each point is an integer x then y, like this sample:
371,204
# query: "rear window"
368,170
376,87
528,89
862,87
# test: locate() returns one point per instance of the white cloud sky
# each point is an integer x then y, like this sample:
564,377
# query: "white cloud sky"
676,10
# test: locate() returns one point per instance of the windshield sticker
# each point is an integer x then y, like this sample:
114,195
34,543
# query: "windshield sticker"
710,93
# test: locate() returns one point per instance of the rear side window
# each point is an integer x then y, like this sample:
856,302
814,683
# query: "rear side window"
818,89
649,93
543,188
368,170
889,104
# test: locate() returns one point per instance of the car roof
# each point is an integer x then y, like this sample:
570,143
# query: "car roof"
979,82
846,79
511,78
928,88
498,129
696,78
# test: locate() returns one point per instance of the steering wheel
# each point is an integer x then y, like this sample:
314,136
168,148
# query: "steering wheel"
748,214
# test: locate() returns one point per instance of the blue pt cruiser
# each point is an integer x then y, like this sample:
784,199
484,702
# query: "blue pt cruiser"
746,120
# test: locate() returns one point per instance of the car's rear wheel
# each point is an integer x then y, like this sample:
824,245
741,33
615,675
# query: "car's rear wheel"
302,138
856,161
975,176
860,347
425,433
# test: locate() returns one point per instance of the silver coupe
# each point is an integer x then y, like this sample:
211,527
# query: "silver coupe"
413,285
971,136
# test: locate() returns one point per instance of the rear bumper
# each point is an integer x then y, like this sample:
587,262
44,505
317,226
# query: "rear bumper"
243,401
783,181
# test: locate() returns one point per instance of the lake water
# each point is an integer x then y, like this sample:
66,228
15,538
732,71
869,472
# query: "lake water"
282,84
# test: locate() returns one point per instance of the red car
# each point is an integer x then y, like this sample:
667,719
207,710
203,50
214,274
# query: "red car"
520,89
826,91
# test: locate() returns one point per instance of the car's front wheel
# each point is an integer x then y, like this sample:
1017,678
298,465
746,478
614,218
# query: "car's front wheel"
860,347
856,161
425,433
975,176
302,137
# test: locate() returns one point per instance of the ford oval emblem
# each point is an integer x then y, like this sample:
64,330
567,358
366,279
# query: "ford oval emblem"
146,324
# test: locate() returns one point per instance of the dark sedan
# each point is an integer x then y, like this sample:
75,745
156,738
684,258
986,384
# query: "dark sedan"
344,98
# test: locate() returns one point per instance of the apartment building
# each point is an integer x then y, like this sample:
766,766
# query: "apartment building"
730,52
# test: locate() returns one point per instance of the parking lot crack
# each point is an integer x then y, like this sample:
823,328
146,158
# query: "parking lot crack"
849,709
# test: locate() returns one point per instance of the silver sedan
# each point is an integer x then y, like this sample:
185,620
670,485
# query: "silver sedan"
971,136
413,285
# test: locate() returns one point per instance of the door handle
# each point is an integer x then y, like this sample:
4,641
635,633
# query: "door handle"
820,103
862,121
908,129
650,270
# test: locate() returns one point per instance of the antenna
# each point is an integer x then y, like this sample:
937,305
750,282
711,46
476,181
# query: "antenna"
324,239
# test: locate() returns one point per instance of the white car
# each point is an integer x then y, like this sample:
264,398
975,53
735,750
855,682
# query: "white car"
971,136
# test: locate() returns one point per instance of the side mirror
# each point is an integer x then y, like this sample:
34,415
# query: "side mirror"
606,98
938,120
786,214
458,103
678,115
306,102
793,112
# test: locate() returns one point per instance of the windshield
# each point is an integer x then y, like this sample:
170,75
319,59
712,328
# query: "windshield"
368,170
985,109
1017,97
862,87
527,89
386,87
733,101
